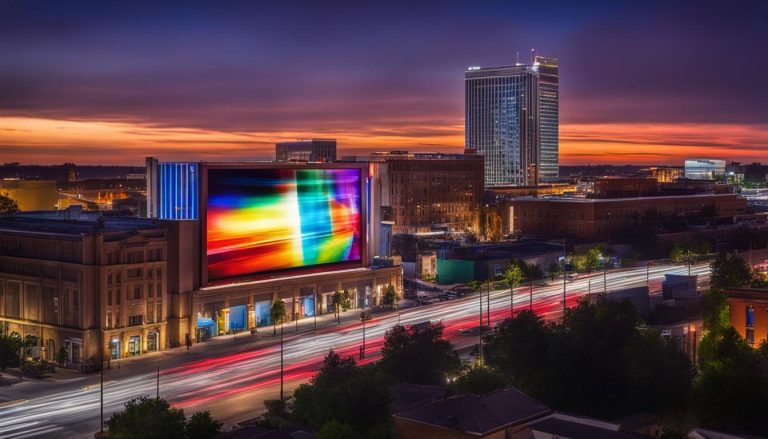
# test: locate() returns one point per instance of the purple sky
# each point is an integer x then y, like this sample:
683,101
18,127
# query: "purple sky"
375,75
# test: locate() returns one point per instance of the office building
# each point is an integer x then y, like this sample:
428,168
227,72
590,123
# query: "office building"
172,189
312,150
593,219
96,288
428,193
705,169
662,174
511,118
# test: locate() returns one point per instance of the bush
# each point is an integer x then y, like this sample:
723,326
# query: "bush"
37,369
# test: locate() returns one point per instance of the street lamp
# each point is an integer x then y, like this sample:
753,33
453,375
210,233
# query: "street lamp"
363,317
565,277
282,327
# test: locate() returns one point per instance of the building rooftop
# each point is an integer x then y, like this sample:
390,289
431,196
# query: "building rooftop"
613,200
478,415
39,223
409,396
756,294
571,427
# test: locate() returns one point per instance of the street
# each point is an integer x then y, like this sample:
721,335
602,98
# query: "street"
231,376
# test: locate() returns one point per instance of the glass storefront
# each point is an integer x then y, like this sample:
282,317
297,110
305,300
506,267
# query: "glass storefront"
238,318
153,341
134,345
262,313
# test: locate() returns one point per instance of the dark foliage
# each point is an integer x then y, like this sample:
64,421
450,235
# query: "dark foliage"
418,355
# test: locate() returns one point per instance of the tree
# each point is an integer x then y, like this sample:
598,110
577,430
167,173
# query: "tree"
418,355
8,205
9,351
147,418
61,356
475,285
731,392
390,295
513,276
341,302
478,380
595,362
357,397
277,314
202,426
334,429
29,342
153,418
730,271
688,252
553,270
594,256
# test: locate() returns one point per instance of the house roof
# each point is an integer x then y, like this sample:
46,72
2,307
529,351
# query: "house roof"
478,415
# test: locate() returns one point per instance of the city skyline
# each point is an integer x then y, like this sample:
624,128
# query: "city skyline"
641,84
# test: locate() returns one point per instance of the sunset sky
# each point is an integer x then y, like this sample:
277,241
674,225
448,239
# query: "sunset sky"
111,82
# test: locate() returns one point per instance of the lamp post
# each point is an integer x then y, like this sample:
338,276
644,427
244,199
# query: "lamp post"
565,277
101,401
363,318
605,275
282,326
530,296
488,304
481,306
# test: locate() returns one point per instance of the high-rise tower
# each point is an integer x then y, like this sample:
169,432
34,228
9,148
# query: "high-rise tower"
511,116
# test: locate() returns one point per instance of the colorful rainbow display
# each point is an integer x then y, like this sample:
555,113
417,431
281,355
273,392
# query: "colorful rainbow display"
261,220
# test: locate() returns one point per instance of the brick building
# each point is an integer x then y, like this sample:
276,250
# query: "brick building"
92,287
621,187
591,219
429,192
748,313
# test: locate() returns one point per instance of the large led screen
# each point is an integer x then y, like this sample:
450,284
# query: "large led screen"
263,220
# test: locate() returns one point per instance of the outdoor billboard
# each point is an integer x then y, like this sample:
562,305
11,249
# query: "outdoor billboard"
264,220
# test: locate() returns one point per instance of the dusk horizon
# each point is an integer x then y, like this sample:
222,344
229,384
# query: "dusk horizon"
644,84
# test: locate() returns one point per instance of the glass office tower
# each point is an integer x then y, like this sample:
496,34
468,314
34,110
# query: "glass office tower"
511,117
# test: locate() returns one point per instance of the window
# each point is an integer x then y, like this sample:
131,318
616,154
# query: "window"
150,290
135,320
750,320
109,319
109,297
160,312
137,293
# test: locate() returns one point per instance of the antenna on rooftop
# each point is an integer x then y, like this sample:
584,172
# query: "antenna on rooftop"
533,55
517,58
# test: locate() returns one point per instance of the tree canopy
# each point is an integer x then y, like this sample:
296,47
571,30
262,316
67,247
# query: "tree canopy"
418,355
8,205
344,398
596,362
277,314
152,418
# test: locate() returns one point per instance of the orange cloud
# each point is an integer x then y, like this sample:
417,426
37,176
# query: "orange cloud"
48,141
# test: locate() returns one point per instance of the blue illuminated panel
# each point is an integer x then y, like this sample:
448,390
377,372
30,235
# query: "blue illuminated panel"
177,189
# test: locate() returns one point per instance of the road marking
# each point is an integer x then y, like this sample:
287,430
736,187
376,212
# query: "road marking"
93,386
12,403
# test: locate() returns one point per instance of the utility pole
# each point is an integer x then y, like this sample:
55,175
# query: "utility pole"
530,296
648,275
157,392
314,304
101,396
605,275
481,306
511,302
488,304
565,277
282,326
363,318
